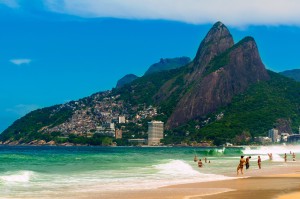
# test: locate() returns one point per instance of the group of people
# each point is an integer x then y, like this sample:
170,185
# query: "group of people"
293,156
245,162
200,164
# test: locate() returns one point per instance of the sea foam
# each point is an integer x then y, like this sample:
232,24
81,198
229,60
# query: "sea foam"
17,177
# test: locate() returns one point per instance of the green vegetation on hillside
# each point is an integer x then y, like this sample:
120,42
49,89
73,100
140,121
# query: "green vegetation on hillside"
27,128
294,74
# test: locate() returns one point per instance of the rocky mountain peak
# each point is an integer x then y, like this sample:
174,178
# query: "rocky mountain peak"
217,40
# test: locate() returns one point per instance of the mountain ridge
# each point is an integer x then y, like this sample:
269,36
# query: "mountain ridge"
185,98
294,74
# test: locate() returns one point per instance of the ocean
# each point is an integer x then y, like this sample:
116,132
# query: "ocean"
48,171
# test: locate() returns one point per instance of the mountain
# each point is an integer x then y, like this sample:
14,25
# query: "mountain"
126,80
167,64
162,65
294,74
224,94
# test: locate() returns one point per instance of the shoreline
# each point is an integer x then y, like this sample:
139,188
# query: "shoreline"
278,183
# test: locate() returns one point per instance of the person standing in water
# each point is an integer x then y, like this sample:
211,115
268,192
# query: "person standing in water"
195,159
247,162
259,162
270,156
241,165
294,157
205,160
200,163
285,157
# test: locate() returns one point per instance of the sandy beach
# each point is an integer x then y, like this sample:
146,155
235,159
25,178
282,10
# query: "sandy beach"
278,184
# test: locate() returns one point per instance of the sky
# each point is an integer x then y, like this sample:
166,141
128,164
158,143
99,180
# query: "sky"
54,51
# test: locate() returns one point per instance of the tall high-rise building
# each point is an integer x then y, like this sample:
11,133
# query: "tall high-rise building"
155,132
273,134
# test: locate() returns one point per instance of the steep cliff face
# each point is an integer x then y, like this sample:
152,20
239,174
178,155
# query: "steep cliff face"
226,75
217,41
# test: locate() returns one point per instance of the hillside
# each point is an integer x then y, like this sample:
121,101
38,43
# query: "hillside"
126,80
294,74
163,65
224,95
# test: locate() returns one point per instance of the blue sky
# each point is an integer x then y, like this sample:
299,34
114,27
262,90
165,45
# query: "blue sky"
53,51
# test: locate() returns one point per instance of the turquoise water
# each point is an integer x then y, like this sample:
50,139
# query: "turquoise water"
32,171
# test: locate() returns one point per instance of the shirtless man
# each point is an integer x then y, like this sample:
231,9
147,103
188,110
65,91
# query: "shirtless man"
241,165
247,162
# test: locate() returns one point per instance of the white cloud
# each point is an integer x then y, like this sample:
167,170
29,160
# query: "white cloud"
22,109
20,61
10,3
232,12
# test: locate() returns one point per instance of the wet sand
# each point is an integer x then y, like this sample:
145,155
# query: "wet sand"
279,183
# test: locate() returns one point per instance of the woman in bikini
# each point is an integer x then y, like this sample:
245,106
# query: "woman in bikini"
241,165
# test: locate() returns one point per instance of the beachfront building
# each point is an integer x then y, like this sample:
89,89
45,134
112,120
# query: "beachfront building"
155,132
294,138
138,142
107,129
273,134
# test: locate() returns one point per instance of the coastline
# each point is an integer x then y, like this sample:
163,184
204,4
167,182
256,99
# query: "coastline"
278,183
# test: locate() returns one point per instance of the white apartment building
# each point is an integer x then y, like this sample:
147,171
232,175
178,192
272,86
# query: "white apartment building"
155,132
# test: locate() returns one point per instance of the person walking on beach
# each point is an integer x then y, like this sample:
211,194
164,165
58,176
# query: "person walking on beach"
241,165
205,160
285,157
247,162
259,162
200,163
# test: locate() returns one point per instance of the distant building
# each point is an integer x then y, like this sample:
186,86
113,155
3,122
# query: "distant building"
109,126
294,138
118,133
107,129
155,132
122,120
273,134
284,137
263,140
137,141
